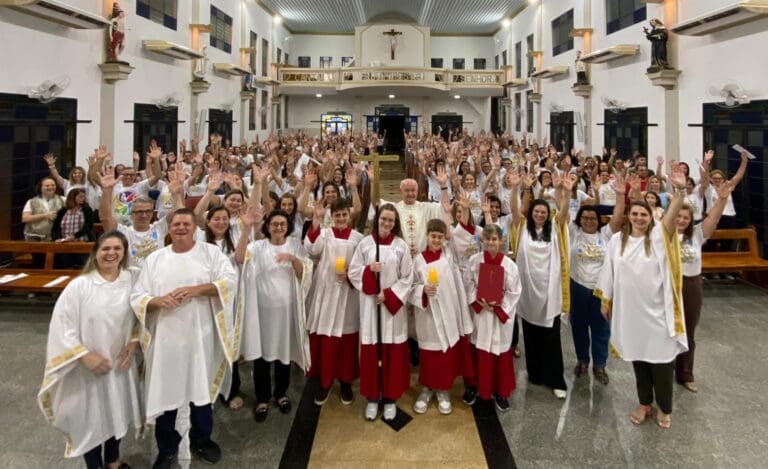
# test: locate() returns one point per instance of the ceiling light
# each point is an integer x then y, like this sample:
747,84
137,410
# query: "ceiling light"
391,96
456,96
506,22
318,95
277,19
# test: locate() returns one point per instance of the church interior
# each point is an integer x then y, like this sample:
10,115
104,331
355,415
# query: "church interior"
587,75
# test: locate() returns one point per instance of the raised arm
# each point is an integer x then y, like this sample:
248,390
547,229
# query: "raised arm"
704,172
310,178
617,219
563,190
154,161
736,179
249,217
107,182
214,182
677,178
709,224
51,160
176,187
354,180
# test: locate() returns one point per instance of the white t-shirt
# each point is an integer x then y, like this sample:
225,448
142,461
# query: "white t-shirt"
728,211
575,204
690,252
196,190
695,200
587,254
607,194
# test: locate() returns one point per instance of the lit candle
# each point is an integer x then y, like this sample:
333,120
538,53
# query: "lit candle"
432,276
339,265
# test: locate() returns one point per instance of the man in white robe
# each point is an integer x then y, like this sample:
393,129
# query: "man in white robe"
184,302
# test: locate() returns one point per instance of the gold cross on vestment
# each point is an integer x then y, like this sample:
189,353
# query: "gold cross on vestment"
392,41
375,158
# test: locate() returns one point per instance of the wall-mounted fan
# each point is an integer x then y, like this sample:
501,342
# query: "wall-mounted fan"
49,90
728,95
613,105
168,102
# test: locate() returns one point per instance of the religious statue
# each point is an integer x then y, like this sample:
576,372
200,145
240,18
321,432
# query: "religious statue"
658,36
201,65
392,41
116,42
581,70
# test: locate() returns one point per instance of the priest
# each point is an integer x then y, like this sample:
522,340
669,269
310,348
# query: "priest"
184,303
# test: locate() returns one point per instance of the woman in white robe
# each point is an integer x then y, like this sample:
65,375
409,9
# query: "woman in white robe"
334,319
541,242
90,390
394,267
640,286
275,281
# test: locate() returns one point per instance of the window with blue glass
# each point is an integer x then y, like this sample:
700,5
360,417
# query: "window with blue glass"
221,30
622,14
561,33
159,11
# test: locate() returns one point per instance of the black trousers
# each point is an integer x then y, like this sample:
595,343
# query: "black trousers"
93,458
516,333
234,389
544,355
168,438
262,381
655,379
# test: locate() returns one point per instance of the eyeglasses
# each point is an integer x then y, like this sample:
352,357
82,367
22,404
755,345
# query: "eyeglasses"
279,225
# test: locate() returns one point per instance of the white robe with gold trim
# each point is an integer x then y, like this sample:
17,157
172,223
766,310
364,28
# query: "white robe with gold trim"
188,350
91,315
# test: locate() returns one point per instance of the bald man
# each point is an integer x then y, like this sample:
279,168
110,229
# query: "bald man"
414,214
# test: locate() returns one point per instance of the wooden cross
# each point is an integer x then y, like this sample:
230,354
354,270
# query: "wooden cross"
392,38
376,159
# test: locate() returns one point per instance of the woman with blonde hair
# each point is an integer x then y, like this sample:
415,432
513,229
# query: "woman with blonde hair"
90,389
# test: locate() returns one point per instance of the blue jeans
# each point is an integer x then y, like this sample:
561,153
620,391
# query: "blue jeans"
585,316
168,438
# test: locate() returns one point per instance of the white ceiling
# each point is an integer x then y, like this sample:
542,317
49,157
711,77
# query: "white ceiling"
442,16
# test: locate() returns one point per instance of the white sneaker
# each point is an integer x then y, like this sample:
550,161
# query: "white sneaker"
422,402
371,410
560,393
444,402
390,411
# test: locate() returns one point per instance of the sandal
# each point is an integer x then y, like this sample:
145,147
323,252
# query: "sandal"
601,375
691,386
640,414
516,351
580,370
236,403
284,404
664,420
260,412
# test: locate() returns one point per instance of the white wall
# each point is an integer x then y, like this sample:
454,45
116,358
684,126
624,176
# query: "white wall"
36,50
462,47
314,46
411,47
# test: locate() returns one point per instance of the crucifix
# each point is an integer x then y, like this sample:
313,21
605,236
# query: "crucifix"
392,41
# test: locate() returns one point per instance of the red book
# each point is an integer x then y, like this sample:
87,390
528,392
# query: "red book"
490,283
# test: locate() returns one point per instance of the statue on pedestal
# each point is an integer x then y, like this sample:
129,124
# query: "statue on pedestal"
116,42
658,36
581,70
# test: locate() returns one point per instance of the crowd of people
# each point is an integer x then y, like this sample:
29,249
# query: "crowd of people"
269,253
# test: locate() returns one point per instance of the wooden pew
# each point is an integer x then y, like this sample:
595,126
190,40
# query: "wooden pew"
37,277
741,261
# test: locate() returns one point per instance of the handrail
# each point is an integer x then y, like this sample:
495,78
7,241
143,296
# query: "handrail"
367,75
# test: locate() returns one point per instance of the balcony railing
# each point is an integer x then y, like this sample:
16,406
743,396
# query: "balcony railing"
363,76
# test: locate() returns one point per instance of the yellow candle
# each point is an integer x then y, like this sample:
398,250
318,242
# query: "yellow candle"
432,276
339,265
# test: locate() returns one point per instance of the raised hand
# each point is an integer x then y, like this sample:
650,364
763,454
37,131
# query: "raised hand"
620,185
252,216
318,211
214,182
529,181
724,190
352,177
50,159
154,150
634,182
569,181
486,205
709,155
659,160
677,178
557,180
107,179
442,176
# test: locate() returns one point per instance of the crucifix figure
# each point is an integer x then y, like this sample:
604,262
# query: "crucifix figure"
392,41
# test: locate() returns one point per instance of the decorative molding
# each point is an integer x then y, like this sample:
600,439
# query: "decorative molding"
115,71
666,78
536,97
171,49
611,53
550,72
230,69
535,53
199,86
580,32
200,27
583,91
517,83
723,18
247,95
59,12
